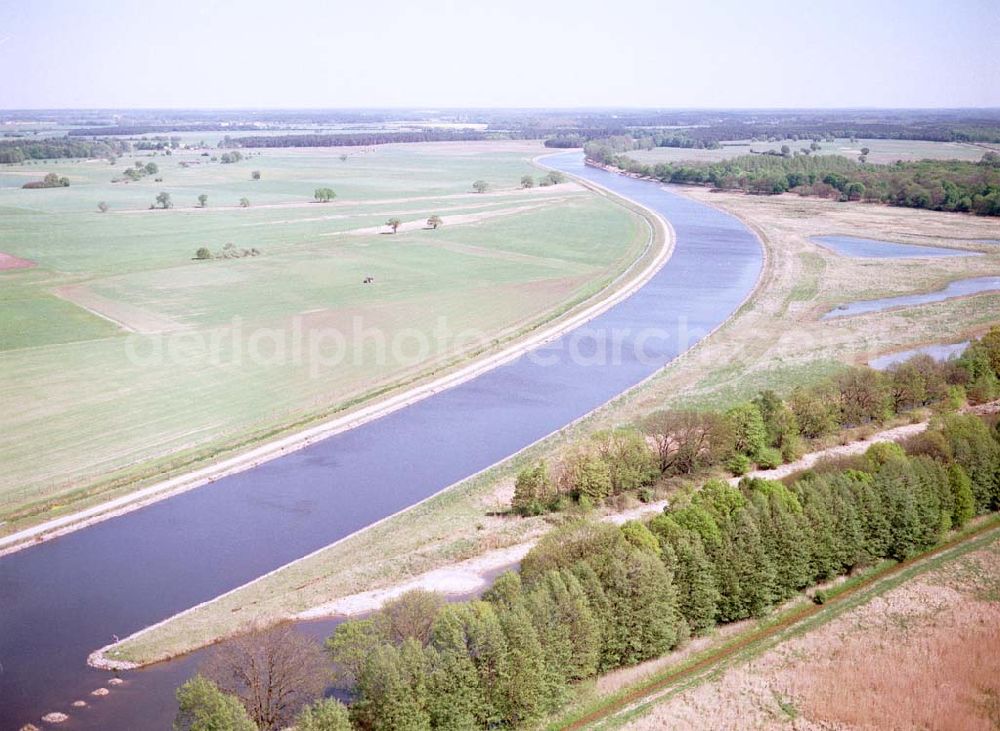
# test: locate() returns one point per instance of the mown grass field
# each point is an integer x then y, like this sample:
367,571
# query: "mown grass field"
122,356
882,151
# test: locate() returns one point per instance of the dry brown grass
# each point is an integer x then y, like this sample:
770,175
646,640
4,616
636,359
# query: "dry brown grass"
922,656
948,678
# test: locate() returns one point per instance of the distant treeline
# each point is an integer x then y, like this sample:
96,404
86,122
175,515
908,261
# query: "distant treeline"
354,139
162,129
965,131
19,150
940,185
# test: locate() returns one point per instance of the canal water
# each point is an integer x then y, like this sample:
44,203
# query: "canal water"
62,599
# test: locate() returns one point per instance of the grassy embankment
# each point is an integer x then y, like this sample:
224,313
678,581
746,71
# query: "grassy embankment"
85,422
711,682
774,341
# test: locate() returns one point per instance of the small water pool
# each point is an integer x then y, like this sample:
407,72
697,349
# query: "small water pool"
938,351
959,288
874,249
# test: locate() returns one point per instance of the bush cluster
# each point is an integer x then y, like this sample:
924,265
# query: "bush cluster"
766,432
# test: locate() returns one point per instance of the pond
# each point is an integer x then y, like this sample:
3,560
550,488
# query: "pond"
959,288
874,249
939,352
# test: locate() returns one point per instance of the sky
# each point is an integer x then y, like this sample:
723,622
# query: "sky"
512,53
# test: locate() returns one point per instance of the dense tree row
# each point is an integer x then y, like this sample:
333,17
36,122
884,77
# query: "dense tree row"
941,185
354,139
19,150
592,597
765,431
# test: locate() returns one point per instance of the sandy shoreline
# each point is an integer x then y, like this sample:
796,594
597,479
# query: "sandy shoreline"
607,298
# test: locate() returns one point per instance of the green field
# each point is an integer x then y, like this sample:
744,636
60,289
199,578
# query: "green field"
881,151
123,356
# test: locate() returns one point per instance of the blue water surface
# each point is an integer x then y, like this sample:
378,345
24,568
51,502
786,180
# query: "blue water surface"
959,288
874,249
62,599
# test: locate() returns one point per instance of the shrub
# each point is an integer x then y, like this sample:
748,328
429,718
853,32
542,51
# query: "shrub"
749,431
203,253
533,490
738,464
768,458
587,475
631,463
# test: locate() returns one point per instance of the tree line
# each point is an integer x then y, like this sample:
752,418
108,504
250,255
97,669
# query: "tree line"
354,139
940,185
18,150
592,597
766,431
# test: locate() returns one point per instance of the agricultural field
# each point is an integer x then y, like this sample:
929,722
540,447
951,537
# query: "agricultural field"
125,356
881,151
922,655
776,340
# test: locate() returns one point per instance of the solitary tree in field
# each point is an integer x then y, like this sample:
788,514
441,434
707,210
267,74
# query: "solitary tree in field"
786,150
527,181
324,195
102,207
203,253
255,175
244,202
343,158
163,200
434,221
555,177
152,168
865,151
394,224
480,186
202,200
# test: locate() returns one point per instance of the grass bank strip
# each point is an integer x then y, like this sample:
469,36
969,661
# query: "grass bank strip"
801,617
660,244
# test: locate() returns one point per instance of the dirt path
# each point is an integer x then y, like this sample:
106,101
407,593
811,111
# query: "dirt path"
420,224
126,316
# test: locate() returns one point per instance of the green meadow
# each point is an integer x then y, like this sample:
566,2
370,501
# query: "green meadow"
123,357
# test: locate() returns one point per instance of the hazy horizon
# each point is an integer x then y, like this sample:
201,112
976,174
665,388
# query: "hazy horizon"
441,54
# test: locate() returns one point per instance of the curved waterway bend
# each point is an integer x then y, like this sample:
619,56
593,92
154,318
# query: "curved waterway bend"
62,599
